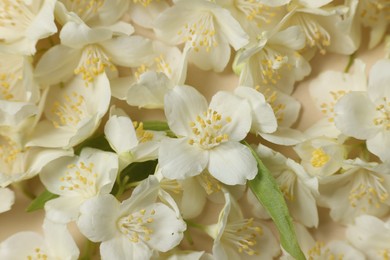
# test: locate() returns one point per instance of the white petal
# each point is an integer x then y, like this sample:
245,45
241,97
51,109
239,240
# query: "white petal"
77,35
182,105
179,160
356,120
229,105
120,248
263,117
63,209
167,229
379,145
149,91
292,37
20,245
232,163
98,217
43,25
128,51
378,80
57,64
120,133
7,199
193,200
285,136
59,241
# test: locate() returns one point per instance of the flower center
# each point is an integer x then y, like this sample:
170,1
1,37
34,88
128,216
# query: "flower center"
85,9
328,108
159,65
318,251
93,62
207,129
15,16
38,254
316,35
286,181
271,97
255,11
242,234
368,192
209,183
319,158
11,75
142,135
80,178
373,11
271,63
384,110
69,111
200,33
9,153
135,225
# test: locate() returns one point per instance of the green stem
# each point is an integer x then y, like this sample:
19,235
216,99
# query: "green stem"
122,186
89,250
350,62
195,225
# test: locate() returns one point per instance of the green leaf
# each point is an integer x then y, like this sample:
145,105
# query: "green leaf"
268,193
98,142
39,202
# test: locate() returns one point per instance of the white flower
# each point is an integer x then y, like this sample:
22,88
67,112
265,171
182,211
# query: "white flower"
361,188
90,52
371,235
321,156
23,23
373,14
319,250
133,228
7,199
73,112
207,137
206,29
370,122
326,27
57,243
129,139
163,70
77,179
236,237
299,188
273,61
19,93
327,89
19,163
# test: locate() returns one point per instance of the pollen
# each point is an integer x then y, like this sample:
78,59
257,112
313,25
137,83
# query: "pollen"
319,158
136,226
207,129
80,177
69,110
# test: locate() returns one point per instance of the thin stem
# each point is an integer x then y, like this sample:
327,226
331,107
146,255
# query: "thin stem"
89,250
350,62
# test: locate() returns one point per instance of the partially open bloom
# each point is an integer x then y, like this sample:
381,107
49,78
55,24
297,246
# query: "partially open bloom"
207,30
133,228
77,179
236,237
23,23
207,137
370,122
297,186
130,140
57,243
73,112
361,188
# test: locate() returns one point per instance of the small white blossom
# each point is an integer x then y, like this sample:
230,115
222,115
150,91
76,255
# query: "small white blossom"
208,138
7,197
77,179
133,228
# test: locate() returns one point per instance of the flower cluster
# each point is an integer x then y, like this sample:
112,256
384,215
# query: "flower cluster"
72,72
